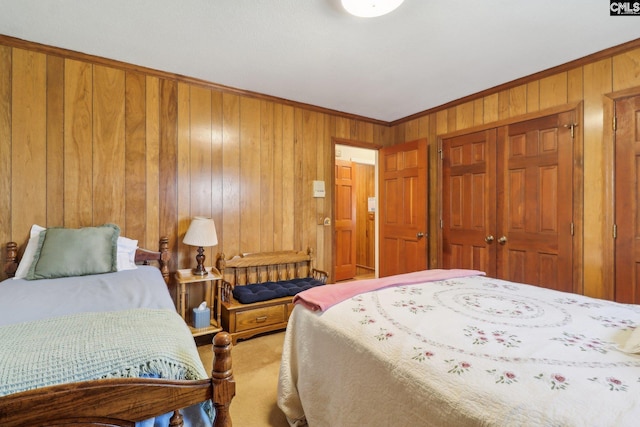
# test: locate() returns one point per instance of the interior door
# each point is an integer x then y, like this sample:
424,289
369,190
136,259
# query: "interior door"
345,221
535,204
469,201
627,195
507,201
403,208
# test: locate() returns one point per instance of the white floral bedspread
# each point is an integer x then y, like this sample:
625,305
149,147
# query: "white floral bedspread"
468,351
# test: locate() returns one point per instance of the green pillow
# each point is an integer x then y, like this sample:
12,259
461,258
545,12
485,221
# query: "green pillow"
64,252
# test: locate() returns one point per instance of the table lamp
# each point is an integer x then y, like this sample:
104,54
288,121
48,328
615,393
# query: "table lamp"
201,233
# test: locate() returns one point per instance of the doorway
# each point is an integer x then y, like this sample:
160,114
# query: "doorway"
355,205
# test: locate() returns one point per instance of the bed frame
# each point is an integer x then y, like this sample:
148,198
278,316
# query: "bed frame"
122,401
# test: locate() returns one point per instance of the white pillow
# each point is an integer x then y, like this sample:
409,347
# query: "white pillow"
632,344
29,252
126,253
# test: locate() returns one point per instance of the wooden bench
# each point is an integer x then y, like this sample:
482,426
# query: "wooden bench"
246,320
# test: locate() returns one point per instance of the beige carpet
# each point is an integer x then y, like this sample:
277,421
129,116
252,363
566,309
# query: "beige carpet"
256,363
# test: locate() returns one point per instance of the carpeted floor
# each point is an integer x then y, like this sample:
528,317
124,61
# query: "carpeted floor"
256,363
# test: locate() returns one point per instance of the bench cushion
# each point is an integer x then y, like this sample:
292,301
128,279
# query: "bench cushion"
257,292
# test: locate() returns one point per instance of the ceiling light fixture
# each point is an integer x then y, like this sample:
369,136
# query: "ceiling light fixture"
370,8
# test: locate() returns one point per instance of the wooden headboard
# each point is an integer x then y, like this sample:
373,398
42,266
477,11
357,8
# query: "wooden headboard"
160,257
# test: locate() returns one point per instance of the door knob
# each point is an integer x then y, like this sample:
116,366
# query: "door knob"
419,234
489,238
502,240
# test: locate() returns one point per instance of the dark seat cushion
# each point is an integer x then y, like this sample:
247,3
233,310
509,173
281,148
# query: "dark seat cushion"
269,290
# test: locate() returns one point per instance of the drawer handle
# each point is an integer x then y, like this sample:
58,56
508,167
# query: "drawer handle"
261,319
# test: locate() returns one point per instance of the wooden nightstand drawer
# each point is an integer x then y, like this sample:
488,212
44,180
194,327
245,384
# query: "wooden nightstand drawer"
258,317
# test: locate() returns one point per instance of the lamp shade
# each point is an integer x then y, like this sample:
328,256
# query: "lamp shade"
370,8
201,232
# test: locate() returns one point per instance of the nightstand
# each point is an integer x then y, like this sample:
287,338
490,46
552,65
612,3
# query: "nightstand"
212,281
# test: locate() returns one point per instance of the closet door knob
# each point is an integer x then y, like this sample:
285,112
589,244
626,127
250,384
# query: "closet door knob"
502,240
420,235
489,238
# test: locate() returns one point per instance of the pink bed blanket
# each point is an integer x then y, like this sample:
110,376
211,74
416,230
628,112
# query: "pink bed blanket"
321,298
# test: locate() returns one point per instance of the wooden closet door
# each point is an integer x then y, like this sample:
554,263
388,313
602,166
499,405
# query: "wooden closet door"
535,203
469,202
627,195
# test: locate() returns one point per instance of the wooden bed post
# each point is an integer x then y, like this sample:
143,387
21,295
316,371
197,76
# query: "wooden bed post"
165,256
222,377
11,262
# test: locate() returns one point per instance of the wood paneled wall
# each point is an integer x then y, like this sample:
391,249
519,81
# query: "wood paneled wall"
587,83
84,141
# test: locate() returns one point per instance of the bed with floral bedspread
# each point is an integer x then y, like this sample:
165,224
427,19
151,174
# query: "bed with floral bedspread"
467,350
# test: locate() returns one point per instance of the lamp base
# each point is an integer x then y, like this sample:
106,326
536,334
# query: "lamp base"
200,270
197,272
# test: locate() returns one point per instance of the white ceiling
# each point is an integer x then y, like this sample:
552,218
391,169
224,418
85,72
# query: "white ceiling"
424,54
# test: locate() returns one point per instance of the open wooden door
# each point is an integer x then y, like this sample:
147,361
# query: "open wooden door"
345,221
403,208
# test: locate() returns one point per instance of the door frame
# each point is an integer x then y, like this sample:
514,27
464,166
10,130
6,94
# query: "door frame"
332,182
578,180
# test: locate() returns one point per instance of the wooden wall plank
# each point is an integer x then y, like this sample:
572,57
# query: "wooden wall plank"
278,172
533,96
267,176
478,115
185,254
442,122
517,101
626,70
6,233
342,128
152,166
491,109
231,174
503,105
288,177
55,141
452,119
575,86
108,146
28,129
167,165
298,188
464,115
200,156
217,200
78,144
412,129
135,213
323,248
553,91
250,208
311,138
597,80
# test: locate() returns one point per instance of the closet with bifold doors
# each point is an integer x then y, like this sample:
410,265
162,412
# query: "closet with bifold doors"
508,198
